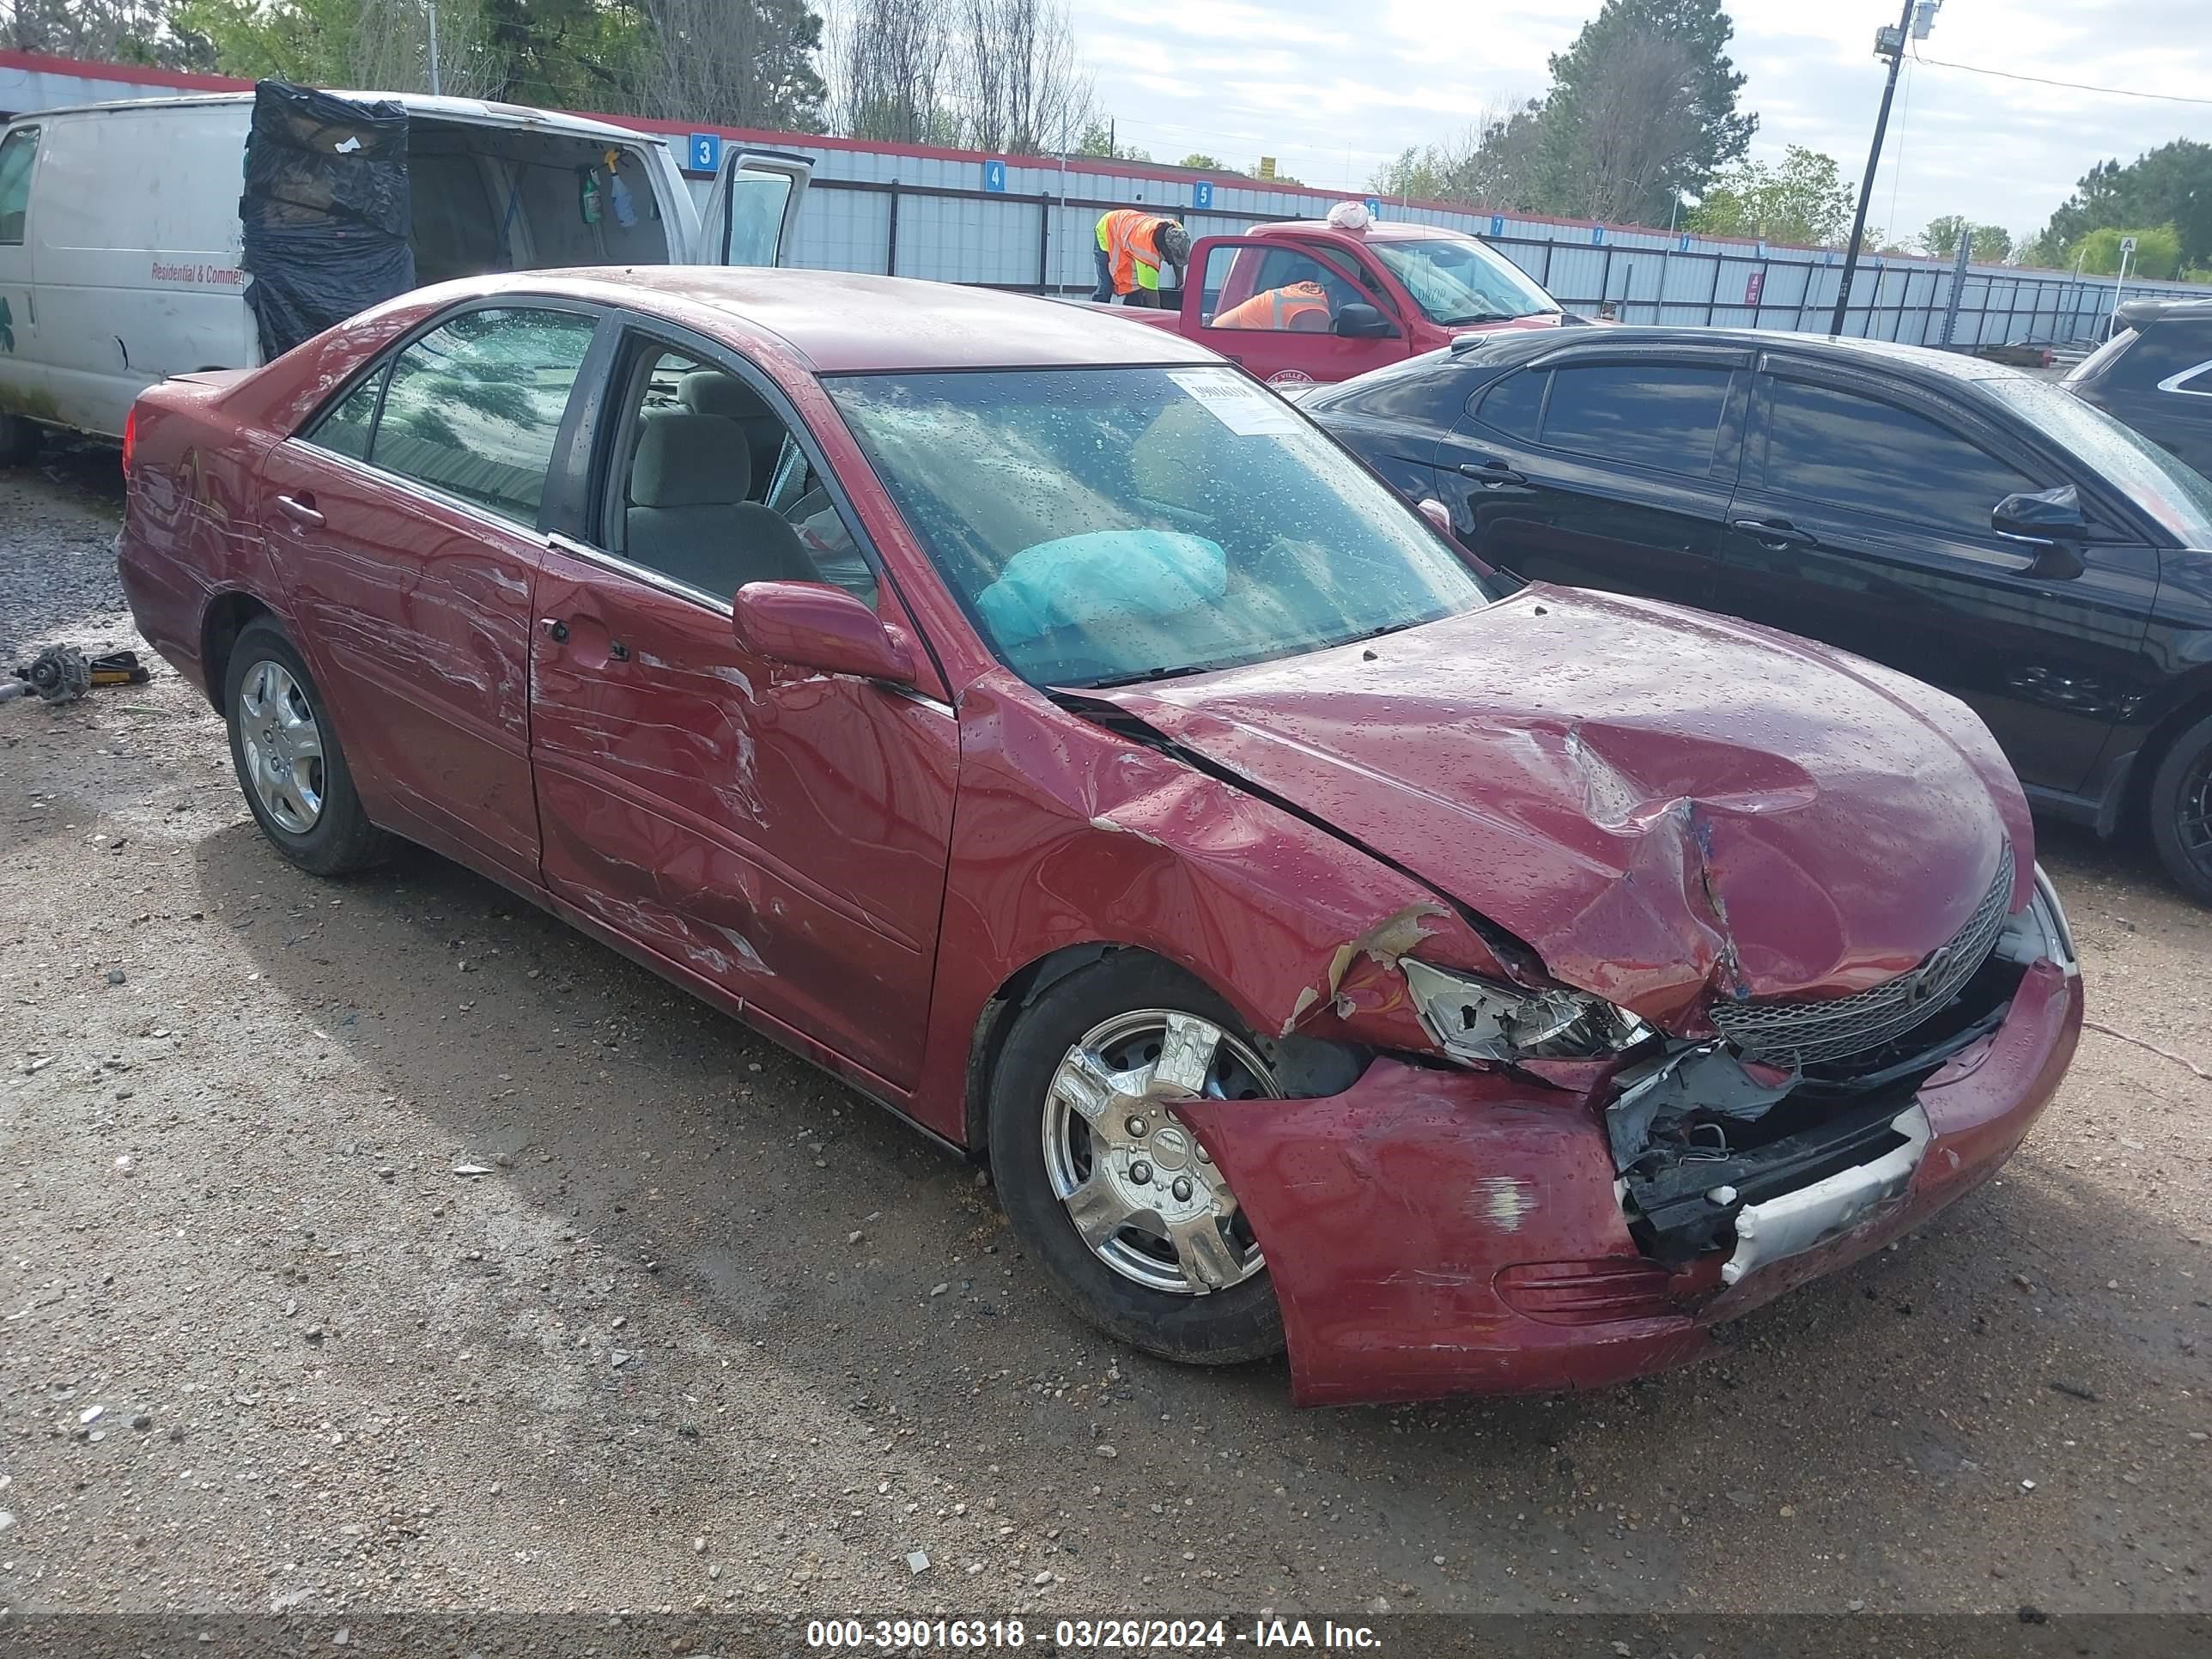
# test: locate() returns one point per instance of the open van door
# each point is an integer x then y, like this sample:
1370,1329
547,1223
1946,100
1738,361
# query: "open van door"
755,211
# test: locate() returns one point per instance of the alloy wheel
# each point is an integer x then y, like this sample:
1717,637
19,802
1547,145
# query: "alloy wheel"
283,745
1144,1195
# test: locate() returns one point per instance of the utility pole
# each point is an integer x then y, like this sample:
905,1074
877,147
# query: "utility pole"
1890,44
433,48
2127,252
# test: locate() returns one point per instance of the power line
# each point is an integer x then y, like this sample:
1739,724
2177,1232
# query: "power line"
2071,86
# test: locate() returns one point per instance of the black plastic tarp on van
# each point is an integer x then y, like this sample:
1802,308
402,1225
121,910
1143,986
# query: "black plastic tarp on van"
325,210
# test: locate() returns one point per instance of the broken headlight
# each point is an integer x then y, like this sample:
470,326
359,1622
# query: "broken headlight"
1475,1019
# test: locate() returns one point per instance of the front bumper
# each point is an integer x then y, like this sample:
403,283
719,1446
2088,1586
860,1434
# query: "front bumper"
1433,1232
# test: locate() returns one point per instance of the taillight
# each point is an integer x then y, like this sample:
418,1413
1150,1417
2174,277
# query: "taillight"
129,438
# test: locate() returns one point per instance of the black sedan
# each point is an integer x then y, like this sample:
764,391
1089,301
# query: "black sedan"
2155,374
1970,525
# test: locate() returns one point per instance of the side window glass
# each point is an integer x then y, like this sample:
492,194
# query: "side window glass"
709,489
474,407
1515,404
1866,456
1286,291
17,152
1657,415
344,430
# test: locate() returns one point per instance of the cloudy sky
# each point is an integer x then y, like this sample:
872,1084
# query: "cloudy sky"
1332,90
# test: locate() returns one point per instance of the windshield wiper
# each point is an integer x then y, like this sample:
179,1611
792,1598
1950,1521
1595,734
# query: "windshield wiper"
1146,676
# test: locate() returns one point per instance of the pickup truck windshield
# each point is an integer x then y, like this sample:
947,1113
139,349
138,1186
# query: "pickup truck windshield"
1110,525
1455,279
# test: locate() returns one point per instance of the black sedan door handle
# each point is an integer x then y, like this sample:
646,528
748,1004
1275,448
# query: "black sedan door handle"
1491,472
1774,532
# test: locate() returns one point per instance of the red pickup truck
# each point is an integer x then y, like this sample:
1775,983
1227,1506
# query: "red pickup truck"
1359,299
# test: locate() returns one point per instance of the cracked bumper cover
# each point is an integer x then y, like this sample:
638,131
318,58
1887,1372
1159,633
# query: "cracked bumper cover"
1392,1214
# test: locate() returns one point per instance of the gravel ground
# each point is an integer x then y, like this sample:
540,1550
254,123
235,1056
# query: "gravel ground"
707,1330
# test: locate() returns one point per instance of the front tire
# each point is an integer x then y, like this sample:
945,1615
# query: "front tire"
1135,1226
2181,811
289,759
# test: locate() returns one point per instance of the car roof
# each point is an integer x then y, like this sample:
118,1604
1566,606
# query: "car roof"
841,323
2142,313
1520,345
474,111
1382,230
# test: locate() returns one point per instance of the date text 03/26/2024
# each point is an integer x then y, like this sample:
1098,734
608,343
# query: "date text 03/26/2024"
1086,1635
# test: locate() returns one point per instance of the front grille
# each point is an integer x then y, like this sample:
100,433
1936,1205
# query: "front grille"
1809,1033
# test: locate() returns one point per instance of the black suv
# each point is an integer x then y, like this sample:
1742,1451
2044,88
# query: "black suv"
2155,374
1973,525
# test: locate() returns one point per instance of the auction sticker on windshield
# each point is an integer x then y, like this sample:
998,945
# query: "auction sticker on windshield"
1241,407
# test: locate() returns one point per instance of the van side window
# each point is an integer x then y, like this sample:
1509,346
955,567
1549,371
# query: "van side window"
17,151
344,430
473,408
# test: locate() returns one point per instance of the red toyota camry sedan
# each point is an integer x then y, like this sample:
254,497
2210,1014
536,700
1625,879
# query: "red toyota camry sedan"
1025,716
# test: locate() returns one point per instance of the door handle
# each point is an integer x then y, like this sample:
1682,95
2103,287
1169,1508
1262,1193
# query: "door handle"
1774,532
617,650
555,630
301,509
1492,472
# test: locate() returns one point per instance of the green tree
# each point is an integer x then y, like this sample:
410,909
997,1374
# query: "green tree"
1992,244
2157,255
1097,139
1641,110
2169,185
1802,200
1198,158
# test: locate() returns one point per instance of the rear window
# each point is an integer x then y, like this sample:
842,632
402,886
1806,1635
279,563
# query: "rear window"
1662,416
2103,357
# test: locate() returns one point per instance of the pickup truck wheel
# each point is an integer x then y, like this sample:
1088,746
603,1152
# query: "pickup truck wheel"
1136,1228
289,760
2181,811
19,439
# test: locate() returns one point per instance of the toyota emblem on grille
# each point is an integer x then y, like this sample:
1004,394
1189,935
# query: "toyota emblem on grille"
1928,977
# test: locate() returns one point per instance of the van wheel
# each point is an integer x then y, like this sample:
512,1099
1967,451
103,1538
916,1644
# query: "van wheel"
2181,811
19,439
289,760
1133,1224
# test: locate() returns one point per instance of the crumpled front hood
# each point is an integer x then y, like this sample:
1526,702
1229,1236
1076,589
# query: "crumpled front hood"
1657,800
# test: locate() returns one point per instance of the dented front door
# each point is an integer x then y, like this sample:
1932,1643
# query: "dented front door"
778,834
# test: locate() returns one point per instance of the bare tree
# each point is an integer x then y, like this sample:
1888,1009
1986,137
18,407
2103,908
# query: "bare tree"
891,64
388,48
1019,81
744,63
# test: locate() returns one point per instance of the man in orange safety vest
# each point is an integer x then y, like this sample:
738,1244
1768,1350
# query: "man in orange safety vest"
1301,306
1133,246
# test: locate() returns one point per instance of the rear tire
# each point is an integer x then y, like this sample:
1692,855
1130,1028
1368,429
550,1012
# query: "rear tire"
20,440
2180,808
290,765
1129,1167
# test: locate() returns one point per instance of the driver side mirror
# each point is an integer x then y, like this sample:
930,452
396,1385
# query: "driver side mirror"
2051,521
814,625
1358,321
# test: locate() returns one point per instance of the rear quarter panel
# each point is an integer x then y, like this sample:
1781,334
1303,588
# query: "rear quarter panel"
189,531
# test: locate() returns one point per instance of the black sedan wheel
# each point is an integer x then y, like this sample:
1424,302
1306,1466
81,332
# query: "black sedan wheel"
2181,811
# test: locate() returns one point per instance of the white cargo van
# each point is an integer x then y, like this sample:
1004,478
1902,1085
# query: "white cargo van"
128,231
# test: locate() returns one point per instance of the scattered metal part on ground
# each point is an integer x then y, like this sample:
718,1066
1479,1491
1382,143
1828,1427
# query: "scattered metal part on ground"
62,673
